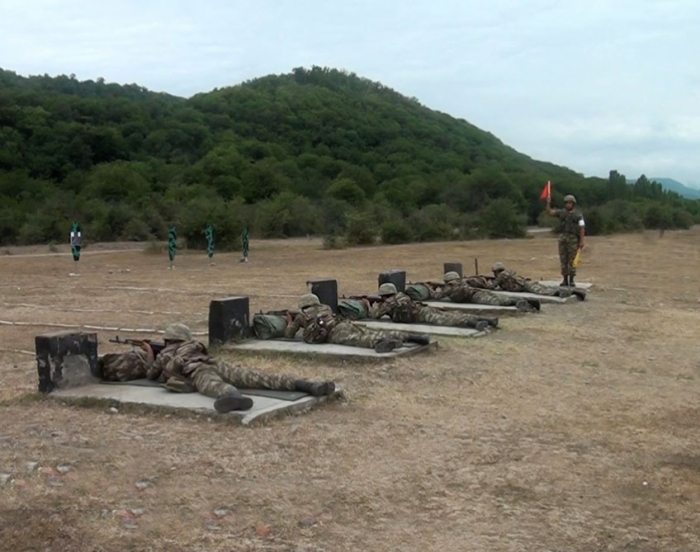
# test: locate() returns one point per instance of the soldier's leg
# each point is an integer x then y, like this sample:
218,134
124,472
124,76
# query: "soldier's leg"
210,382
436,317
488,298
346,333
572,247
247,378
564,261
539,289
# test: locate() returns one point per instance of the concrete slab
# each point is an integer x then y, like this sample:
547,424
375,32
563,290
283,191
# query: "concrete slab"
555,283
472,307
263,407
420,328
542,298
297,347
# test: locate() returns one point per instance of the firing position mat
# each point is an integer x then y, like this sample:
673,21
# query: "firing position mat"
149,395
298,347
420,328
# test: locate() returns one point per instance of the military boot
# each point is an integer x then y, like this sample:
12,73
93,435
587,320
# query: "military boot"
233,400
480,325
571,282
419,338
315,388
388,345
490,320
565,282
579,293
526,305
564,293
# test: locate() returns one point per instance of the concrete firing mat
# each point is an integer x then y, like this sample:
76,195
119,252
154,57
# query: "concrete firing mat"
263,407
553,283
322,349
471,307
420,328
281,395
542,298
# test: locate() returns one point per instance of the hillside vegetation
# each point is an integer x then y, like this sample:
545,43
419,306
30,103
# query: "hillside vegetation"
317,151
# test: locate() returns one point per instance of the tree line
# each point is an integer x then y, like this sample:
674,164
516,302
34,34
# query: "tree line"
314,152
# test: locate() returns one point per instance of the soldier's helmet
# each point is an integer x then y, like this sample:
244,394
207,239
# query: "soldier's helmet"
177,332
387,289
570,198
498,267
451,276
309,300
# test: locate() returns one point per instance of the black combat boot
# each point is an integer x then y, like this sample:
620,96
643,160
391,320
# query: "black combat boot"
564,293
419,338
579,293
536,304
490,320
527,305
233,400
315,388
480,325
565,282
388,345
571,282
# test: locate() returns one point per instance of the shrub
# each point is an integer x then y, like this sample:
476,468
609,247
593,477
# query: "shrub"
434,223
500,219
362,229
396,231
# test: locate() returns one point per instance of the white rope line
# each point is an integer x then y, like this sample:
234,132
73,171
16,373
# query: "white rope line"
18,351
90,327
64,309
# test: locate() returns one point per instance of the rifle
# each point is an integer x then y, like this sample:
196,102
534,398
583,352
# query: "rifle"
283,313
156,346
371,298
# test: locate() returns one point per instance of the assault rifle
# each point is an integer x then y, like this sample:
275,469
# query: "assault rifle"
283,313
371,298
156,346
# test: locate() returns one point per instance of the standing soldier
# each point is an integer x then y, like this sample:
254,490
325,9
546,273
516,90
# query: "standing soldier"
76,242
572,229
172,246
245,238
209,234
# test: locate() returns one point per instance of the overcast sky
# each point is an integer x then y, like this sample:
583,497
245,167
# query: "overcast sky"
591,84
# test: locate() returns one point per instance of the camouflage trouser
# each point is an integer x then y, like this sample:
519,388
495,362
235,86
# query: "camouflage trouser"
568,246
539,289
488,298
123,366
347,333
216,379
436,317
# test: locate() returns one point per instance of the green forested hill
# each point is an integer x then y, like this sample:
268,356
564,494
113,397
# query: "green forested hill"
315,151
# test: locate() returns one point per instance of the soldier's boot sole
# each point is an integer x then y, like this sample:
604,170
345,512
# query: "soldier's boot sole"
230,403
481,325
580,294
316,388
387,345
418,338
491,321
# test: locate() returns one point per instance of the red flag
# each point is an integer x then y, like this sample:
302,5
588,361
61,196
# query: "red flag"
547,192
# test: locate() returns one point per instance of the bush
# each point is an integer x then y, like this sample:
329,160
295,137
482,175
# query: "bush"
500,219
333,241
396,231
362,229
434,223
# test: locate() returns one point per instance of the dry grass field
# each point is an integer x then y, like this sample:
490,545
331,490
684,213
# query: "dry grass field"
574,429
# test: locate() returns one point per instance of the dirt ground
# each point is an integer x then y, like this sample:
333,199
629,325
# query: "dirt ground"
572,429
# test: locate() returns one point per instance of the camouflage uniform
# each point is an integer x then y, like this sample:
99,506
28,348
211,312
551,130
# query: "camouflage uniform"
124,366
480,282
459,291
507,280
305,317
341,332
570,224
402,309
187,366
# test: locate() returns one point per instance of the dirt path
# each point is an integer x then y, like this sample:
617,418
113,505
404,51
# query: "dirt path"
574,429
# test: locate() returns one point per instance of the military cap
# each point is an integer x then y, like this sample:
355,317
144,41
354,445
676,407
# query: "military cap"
309,300
387,289
177,332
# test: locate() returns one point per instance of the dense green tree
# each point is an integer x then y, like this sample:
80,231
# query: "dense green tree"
315,151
